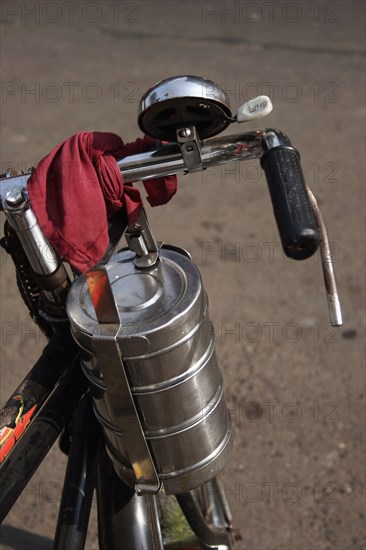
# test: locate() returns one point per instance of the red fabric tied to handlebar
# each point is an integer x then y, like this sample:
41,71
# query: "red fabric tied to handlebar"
77,187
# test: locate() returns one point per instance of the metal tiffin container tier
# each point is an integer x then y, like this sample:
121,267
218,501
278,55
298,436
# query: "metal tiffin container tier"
167,346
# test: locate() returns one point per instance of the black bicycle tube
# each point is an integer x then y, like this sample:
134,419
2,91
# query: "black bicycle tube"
18,413
37,440
80,477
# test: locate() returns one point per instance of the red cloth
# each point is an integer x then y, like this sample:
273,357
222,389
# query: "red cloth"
77,187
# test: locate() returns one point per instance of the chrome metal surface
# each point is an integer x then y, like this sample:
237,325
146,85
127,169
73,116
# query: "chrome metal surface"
14,197
334,306
191,148
137,244
13,182
210,535
125,520
119,399
120,405
21,217
216,505
167,343
141,241
183,86
168,159
182,101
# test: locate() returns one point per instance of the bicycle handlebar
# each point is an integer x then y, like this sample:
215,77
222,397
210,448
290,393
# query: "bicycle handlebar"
299,221
281,164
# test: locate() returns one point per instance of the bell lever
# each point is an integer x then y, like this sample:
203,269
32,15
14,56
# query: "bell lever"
258,107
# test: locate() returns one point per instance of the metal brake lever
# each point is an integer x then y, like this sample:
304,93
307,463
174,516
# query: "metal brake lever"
334,305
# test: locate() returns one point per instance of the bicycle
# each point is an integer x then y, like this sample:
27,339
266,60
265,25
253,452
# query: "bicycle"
134,391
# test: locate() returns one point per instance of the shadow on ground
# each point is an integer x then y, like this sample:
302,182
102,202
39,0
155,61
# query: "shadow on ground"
12,538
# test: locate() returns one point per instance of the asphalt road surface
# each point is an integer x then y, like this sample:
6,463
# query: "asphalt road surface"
295,385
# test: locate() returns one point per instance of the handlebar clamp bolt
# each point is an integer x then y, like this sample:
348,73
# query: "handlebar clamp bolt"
14,197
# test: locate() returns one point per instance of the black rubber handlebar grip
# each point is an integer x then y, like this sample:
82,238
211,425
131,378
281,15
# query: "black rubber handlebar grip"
291,204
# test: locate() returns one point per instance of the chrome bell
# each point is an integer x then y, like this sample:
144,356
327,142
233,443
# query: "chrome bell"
182,101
